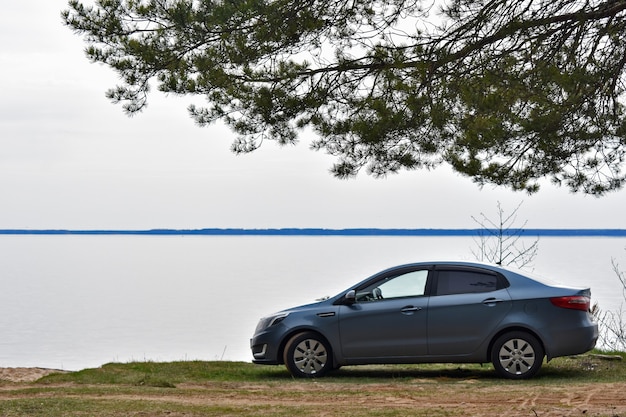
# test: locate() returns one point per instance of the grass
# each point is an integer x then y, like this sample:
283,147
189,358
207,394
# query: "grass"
588,368
198,388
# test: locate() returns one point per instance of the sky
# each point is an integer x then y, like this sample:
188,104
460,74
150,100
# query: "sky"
69,159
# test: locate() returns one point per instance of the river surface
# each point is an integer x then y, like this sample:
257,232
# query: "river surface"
73,302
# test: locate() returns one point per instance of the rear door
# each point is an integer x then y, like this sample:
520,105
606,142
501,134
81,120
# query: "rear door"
466,307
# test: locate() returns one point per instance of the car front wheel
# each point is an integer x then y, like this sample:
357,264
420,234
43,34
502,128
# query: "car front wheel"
517,355
307,355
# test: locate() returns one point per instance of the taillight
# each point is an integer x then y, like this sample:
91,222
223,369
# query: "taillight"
575,302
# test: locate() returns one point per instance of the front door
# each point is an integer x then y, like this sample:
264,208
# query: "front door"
388,320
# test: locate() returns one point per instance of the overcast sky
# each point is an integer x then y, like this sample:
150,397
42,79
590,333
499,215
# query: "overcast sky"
71,159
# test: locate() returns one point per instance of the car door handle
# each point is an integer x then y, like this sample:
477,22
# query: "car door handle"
410,310
492,301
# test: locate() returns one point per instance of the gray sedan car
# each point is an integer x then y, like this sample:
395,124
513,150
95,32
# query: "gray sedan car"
432,312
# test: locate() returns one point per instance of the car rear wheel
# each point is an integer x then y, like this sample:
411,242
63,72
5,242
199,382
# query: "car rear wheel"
517,355
307,355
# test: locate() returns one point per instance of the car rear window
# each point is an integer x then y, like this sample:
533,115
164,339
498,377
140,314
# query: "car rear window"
465,282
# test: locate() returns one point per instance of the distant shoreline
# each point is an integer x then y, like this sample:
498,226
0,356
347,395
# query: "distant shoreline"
328,232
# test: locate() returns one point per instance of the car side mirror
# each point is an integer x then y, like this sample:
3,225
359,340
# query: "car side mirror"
350,297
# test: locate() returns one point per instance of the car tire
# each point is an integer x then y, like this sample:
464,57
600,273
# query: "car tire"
517,355
308,355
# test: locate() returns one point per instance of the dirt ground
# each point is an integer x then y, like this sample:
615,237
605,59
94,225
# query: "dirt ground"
460,398
24,374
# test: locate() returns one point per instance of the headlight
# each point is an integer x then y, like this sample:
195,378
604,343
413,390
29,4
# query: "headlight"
270,321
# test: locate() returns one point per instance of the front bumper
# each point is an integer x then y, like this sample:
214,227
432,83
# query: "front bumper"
264,353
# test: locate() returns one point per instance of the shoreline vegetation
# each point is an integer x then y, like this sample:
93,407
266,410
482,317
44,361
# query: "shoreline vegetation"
330,232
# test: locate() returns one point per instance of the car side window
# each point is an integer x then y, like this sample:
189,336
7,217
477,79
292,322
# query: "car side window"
464,282
411,284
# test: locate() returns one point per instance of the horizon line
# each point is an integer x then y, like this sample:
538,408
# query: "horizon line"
327,232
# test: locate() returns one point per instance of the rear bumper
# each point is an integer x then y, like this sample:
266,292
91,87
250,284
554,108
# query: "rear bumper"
572,341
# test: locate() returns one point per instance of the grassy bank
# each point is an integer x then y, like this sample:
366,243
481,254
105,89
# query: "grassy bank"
197,388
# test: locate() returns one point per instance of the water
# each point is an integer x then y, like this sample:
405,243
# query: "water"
75,302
